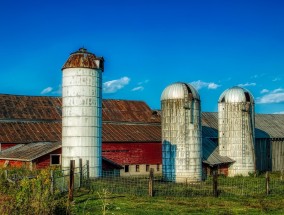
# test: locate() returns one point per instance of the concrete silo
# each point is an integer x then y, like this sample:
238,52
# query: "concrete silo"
181,133
236,125
82,110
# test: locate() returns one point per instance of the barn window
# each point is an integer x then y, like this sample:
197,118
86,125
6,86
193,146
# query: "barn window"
126,168
158,167
137,168
147,168
54,159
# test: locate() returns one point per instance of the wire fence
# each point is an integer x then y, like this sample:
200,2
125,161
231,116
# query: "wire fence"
154,185
226,186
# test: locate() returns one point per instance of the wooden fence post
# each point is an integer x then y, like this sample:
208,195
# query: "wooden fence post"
81,172
52,182
215,182
88,173
151,182
88,169
6,174
267,183
71,180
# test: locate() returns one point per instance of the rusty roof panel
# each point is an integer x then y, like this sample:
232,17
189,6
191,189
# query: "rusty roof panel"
30,107
128,111
131,133
27,132
84,59
49,108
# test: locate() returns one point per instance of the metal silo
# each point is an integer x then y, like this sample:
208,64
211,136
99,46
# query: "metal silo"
181,133
236,129
82,110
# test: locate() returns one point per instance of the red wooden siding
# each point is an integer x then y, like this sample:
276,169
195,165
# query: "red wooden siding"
7,145
17,164
133,153
44,161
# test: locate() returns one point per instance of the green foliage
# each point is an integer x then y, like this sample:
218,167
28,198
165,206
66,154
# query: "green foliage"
30,195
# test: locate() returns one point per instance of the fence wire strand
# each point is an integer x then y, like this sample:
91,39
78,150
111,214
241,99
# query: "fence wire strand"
139,185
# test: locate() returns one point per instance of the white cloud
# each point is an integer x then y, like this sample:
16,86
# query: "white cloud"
276,79
278,90
140,88
46,90
280,112
200,84
247,84
143,82
115,85
276,96
58,91
264,91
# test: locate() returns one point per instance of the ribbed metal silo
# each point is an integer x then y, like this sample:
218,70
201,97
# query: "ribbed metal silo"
236,124
82,110
181,133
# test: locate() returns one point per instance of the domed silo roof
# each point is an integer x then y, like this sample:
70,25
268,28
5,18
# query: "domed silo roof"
84,59
236,94
179,90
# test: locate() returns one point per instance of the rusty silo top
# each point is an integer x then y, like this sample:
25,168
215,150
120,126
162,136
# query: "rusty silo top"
179,90
84,59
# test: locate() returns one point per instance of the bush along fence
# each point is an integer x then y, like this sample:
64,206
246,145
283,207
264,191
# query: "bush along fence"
154,185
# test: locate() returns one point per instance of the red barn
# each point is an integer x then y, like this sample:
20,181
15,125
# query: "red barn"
30,136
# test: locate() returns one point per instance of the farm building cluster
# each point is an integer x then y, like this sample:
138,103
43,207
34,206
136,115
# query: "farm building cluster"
127,137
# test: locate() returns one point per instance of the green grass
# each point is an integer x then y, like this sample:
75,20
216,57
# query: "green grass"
86,203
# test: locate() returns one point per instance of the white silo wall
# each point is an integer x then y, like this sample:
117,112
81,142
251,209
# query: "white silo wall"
82,118
181,141
236,136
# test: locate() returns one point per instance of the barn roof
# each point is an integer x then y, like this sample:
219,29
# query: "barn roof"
35,108
211,155
45,108
128,111
30,119
131,132
29,152
266,125
27,132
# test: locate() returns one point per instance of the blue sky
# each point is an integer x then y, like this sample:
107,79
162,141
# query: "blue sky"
148,45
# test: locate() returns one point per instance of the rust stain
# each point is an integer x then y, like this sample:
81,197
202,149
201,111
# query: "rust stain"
84,59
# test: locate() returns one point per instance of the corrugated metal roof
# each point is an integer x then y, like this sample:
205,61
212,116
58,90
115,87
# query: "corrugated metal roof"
179,90
29,152
84,59
131,133
44,108
27,119
27,132
209,124
35,108
211,153
269,125
128,111
266,125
